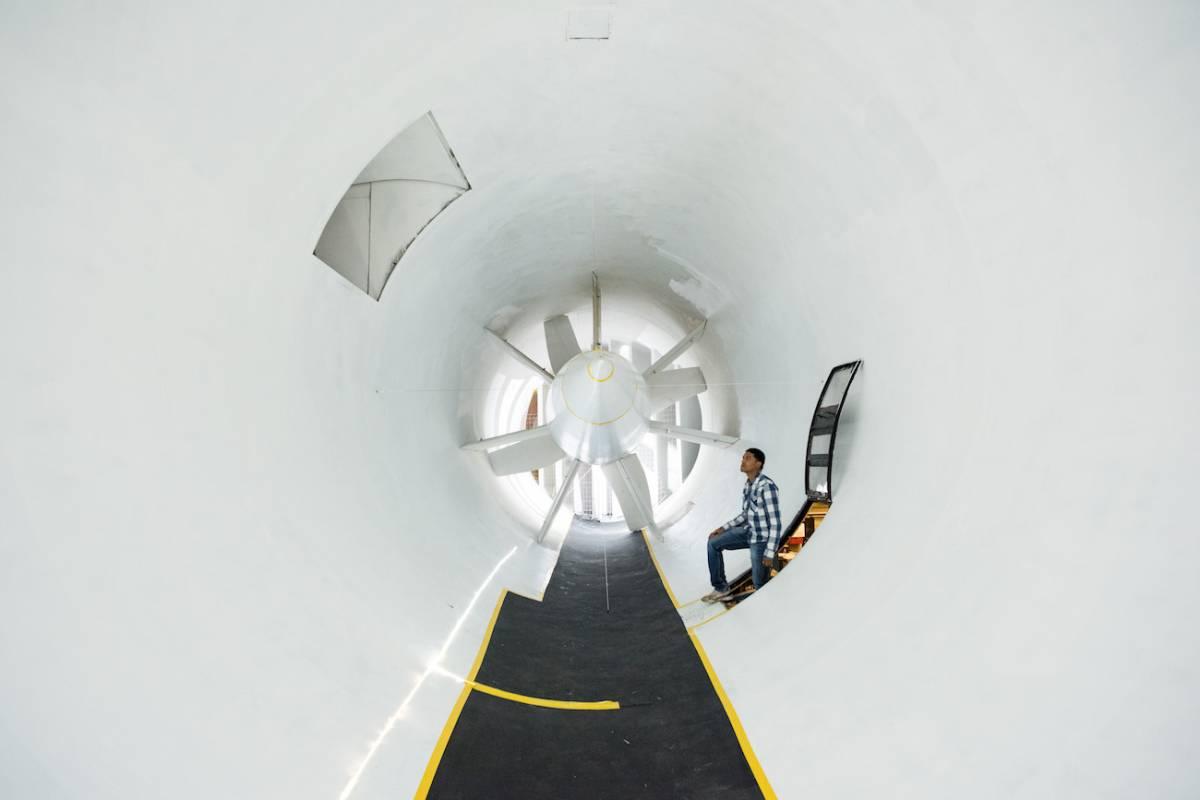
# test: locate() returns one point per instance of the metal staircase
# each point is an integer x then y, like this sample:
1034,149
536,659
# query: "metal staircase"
818,469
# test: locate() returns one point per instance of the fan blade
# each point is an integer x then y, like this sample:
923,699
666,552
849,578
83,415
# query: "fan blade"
668,388
595,312
526,455
628,482
668,358
567,482
560,341
494,442
524,359
691,434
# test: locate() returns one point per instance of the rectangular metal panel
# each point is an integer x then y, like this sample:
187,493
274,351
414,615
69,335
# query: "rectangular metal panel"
419,152
344,244
399,211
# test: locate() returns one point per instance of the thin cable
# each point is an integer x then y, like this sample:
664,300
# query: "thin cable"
484,390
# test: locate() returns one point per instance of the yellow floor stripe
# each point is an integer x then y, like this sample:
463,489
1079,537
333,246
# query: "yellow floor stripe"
440,748
763,784
570,705
661,575
600,705
738,730
710,619
487,636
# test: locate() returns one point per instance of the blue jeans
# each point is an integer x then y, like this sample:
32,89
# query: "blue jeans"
736,539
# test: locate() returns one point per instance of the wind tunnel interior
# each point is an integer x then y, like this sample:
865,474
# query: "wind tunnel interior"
244,556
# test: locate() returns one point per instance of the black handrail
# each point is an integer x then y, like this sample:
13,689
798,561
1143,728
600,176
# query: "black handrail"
825,422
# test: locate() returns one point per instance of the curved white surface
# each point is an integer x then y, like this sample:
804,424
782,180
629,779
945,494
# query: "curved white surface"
235,529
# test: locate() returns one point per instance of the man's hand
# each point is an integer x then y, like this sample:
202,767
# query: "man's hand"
716,533
767,562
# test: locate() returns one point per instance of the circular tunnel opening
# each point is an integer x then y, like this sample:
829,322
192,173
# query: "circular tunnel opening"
520,400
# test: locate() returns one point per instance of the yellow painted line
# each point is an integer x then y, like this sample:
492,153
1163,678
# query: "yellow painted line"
756,768
710,619
752,760
570,705
440,748
487,636
470,684
661,575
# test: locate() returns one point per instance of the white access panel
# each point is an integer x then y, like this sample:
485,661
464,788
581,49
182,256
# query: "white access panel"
393,199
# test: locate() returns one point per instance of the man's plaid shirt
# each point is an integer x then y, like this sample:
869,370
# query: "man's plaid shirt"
760,513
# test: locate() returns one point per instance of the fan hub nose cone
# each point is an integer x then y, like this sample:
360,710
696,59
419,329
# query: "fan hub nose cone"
600,407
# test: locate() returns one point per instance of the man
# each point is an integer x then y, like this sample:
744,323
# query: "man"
757,527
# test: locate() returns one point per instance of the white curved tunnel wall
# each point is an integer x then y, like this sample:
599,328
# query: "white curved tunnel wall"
236,527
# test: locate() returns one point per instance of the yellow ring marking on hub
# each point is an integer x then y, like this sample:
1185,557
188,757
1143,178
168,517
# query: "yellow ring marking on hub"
612,369
570,705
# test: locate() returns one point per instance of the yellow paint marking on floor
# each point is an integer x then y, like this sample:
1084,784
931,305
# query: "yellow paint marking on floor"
487,636
756,768
710,619
440,748
662,576
569,705
752,760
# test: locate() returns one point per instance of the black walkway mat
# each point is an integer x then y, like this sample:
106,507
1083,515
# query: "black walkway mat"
670,738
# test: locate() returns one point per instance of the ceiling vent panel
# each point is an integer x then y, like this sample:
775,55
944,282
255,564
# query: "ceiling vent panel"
418,153
394,198
345,242
589,22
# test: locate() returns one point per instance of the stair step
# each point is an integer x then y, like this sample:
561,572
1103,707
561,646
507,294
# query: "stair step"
824,420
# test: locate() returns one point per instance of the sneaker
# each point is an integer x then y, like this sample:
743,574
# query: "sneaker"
716,595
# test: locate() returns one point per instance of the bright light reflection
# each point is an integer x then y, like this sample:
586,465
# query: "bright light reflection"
438,669
435,665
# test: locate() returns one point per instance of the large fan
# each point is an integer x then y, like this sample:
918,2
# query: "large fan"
602,408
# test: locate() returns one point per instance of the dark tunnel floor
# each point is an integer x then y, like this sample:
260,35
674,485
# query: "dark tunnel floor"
670,738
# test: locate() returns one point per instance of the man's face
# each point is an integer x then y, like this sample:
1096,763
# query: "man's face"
750,463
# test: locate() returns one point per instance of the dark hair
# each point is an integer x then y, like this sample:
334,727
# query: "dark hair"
759,454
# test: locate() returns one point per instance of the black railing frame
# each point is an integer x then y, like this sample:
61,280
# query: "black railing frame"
739,583
827,497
